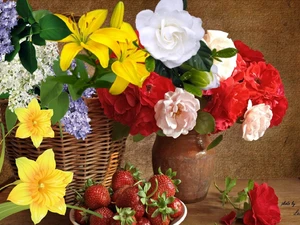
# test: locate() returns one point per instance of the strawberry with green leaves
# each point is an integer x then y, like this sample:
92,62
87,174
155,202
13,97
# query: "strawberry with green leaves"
126,176
124,216
177,206
107,215
96,195
81,217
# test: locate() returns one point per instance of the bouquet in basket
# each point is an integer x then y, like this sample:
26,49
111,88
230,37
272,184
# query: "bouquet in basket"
169,76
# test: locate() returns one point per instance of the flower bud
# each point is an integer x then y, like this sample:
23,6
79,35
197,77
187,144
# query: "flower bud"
202,79
117,15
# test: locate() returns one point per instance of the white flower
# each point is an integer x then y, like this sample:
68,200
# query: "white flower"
218,40
257,120
177,113
170,34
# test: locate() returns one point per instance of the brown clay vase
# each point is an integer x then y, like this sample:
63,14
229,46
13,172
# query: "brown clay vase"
187,156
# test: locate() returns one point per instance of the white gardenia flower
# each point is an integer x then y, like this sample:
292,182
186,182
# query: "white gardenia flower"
170,34
177,113
216,39
257,120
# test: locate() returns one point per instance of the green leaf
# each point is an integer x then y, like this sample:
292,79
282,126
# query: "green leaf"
35,28
75,93
4,96
50,90
205,123
27,56
86,59
138,137
242,196
53,28
150,64
2,155
119,131
37,40
225,53
57,70
19,27
229,184
192,89
160,133
24,9
215,142
38,14
203,59
250,185
64,79
185,4
9,208
15,42
247,206
81,70
10,119
60,106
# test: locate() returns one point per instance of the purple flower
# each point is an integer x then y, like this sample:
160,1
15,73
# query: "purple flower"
8,19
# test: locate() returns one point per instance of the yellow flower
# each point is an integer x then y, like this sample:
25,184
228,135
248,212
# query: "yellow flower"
82,37
42,186
130,64
117,15
34,123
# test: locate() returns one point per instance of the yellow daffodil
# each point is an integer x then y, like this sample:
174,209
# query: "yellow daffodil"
82,37
130,64
41,186
34,123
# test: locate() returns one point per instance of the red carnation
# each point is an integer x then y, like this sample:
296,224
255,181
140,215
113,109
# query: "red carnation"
248,54
264,206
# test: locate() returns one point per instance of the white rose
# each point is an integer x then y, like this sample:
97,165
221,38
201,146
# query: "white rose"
257,120
177,113
170,34
219,40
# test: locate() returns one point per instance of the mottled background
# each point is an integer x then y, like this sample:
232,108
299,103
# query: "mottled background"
271,26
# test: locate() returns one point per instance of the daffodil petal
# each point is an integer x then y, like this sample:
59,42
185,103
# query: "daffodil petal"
99,50
22,114
23,131
92,21
49,133
20,194
118,86
27,169
60,207
34,106
68,53
46,160
38,212
36,140
70,24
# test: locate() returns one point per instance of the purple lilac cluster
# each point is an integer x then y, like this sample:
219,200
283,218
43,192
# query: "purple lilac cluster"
76,120
8,19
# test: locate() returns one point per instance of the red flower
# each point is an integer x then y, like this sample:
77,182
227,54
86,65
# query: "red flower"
227,103
264,203
248,54
229,218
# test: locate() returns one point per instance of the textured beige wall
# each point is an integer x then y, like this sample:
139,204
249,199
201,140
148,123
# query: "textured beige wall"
273,27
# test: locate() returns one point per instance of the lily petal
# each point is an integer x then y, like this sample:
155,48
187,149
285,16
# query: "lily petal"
68,53
131,35
27,169
117,15
20,194
99,50
70,24
46,161
38,212
118,86
92,21
127,70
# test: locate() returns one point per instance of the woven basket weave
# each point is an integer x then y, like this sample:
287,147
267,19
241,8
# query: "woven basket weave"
96,157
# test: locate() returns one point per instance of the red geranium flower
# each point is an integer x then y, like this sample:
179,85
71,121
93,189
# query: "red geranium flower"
248,54
264,204
229,218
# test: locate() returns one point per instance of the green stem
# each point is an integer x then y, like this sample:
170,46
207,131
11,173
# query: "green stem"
231,203
10,184
84,210
8,133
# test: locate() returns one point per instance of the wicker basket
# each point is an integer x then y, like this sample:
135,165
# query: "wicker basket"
96,157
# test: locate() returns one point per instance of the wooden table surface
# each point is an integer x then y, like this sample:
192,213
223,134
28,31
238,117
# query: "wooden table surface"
206,212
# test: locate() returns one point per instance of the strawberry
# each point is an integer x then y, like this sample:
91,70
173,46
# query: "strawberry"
157,218
129,197
139,209
96,196
124,216
163,183
177,206
126,176
143,221
107,215
81,217
118,193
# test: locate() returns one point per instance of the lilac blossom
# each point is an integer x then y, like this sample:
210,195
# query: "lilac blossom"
8,19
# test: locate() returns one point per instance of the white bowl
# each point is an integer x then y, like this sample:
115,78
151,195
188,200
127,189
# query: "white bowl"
176,221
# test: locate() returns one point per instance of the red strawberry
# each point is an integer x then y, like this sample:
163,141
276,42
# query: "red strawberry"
124,216
143,221
81,217
107,215
126,176
128,198
96,196
156,218
118,193
161,183
139,209
177,206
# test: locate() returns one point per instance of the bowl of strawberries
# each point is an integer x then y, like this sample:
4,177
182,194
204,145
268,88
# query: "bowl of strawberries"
130,200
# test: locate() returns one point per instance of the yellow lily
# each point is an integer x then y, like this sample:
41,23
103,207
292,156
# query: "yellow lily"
82,38
117,15
34,123
41,186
